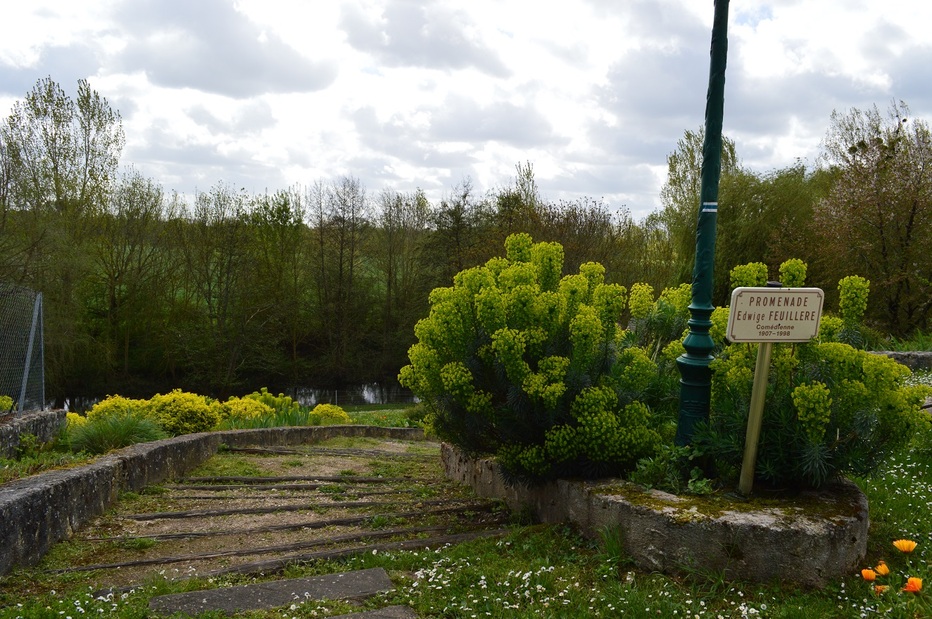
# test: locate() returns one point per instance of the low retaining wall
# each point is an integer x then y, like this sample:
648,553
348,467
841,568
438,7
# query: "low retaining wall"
914,360
811,539
44,425
38,511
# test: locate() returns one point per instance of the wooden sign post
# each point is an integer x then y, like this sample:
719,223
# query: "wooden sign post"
768,315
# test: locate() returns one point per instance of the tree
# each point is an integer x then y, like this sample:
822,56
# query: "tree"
764,218
124,292
679,196
877,219
280,252
339,215
399,239
518,208
461,226
216,323
59,163
586,229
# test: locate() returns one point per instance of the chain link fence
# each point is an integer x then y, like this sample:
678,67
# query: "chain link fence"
22,349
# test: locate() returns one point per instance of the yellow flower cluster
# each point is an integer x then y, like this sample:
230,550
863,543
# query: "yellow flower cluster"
813,404
241,409
641,300
330,414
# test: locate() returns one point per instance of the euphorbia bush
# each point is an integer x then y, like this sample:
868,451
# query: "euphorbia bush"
281,403
118,406
180,412
329,414
830,408
241,412
517,361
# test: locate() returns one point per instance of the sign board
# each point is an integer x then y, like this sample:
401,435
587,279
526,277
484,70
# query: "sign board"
774,314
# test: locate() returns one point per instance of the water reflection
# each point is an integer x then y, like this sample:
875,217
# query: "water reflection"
369,393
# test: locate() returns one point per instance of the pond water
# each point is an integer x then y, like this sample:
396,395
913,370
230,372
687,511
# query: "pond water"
370,393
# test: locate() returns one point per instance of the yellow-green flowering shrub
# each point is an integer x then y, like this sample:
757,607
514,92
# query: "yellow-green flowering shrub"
329,415
793,273
657,323
241,409
280,403
180,412
852,298
747,275
830,409
829,328
519,361
118,406
642,300
74,420
6,403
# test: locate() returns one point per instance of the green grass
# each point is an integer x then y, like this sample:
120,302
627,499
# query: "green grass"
389,416
51,456
917,341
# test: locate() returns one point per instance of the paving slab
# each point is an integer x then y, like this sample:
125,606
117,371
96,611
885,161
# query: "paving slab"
389,612
265,595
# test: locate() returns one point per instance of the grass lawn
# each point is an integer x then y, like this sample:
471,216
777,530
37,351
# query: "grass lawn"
384,415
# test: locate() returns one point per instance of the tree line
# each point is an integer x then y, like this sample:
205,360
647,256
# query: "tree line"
322,285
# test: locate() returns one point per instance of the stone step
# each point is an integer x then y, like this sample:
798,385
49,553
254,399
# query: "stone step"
265,595
389,612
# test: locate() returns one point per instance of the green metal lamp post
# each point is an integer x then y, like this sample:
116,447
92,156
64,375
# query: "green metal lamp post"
696,377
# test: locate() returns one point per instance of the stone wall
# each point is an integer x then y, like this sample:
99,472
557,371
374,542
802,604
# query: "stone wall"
914,360
811,539
44,425
38,511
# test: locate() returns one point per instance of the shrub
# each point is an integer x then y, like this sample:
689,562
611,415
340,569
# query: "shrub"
747,275
852,298
242,413
280,403
830,409
73,420
793,273
118,406
6,403
662,321
516,361
106,432
179,412
329,415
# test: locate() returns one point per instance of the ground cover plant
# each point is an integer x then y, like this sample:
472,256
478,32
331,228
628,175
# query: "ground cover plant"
383,415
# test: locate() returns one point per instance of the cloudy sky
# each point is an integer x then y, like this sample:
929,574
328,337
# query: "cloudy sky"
265,94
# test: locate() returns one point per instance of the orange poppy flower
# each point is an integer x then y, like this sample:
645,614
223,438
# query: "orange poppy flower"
868,574
882,569
878,589
905,545
913,585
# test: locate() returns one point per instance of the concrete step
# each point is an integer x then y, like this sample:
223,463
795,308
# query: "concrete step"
389,612
265,595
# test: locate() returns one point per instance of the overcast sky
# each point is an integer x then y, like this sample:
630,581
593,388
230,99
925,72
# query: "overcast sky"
265,94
